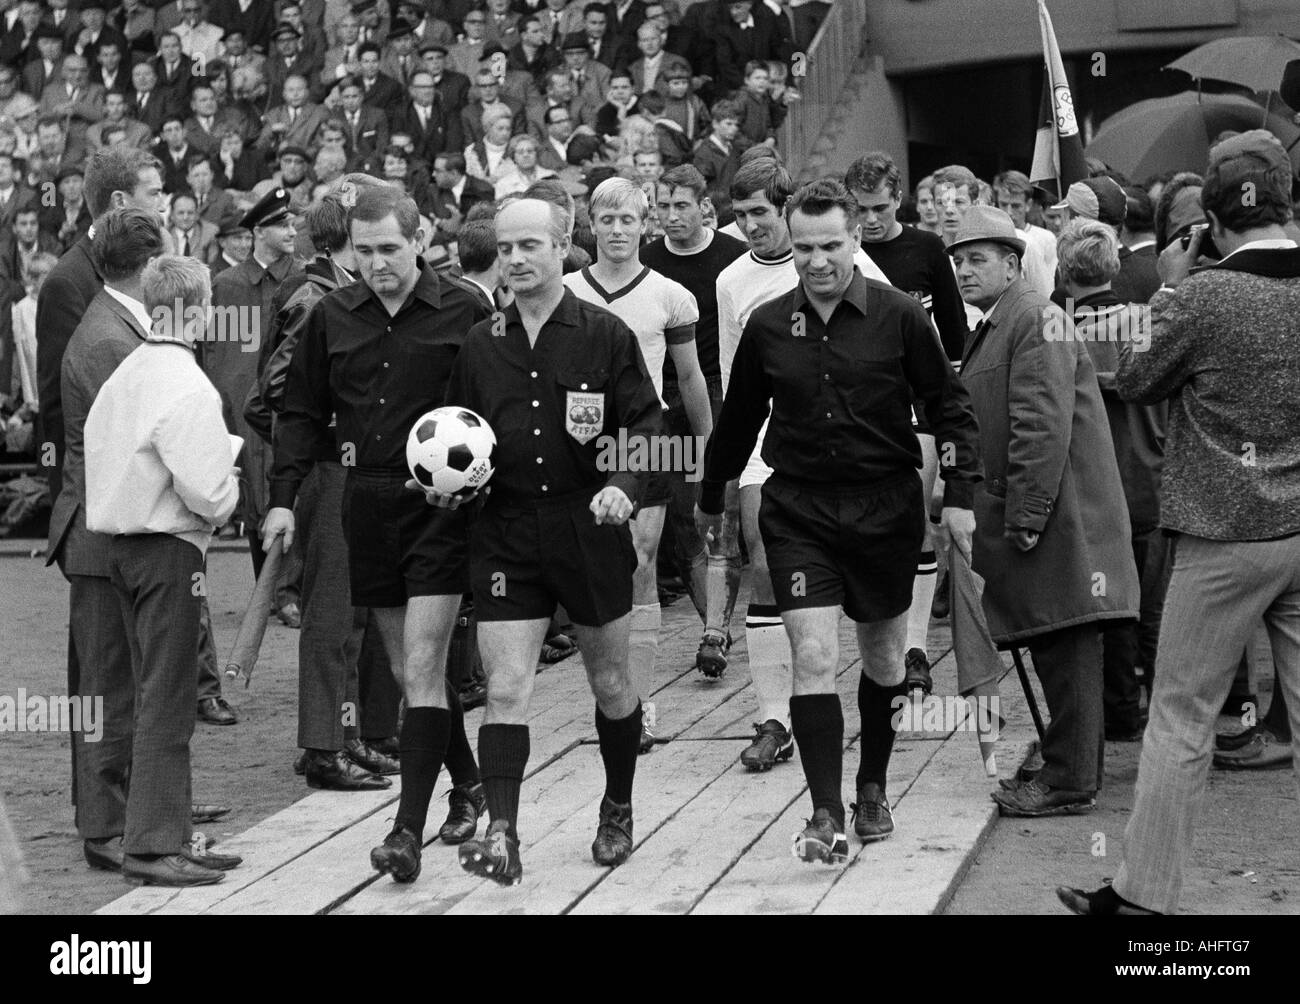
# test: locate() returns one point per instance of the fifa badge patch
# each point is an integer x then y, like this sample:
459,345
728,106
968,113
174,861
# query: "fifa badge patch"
584,415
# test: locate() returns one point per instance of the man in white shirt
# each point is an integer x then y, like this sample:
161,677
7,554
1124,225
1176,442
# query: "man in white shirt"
758,196
1014,193
160,478
662,314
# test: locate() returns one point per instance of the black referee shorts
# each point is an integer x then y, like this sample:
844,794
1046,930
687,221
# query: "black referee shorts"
399,546
845,548
527,559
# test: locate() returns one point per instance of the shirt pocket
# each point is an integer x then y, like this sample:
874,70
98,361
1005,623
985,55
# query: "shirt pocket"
584,402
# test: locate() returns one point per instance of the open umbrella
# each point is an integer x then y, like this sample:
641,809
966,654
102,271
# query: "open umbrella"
1175,133
1256,61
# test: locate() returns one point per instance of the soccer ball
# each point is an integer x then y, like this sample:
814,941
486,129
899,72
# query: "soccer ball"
450,450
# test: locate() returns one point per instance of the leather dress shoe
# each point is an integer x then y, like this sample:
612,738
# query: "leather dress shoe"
1105,902
300,763
215,711
466,804
389,746
170,870
206,859
364,755
200,813
334,771
1034,798
1264,752
104,855
1235,740
290,615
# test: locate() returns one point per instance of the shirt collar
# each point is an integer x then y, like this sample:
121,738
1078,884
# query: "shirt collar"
565,312
1142,244
856,294
134,306
1270,244
989,312
427,288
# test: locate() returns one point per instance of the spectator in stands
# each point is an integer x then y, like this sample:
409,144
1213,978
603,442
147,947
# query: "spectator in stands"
432,127
73,99
191,236
109,71
115,115
296,122
55,149
213,203
650,70
378,89
486,158
531,54
749,32
590,78
683,106
69,218
1138,278
399,59
198,36
760,116
620,102
560,93
40,72
173,150
717,157
489,101
366,127
601,43
453,88
237,169
171,66
672,145
235,243
524,169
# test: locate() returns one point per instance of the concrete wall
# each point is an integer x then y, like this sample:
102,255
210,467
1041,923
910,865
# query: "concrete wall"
914,36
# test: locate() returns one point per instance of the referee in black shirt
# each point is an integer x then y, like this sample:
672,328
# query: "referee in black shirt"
841,358
377,354
560,375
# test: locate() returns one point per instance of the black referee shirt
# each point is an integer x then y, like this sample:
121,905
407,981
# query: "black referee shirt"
553,405
377,373
841,395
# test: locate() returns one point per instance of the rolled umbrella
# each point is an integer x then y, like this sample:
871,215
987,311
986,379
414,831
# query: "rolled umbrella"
979,667
1176,133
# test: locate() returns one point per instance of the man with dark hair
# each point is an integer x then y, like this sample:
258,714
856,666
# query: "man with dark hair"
1223,340
376,355
842,518
1138,277
916,263
759,193
479,268
1015,194
455,194
378,89
432,127
717,157
691,254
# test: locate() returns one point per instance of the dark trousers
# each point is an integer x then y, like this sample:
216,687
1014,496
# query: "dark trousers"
102,652
1130,644
209,675
331,653
1068,664
288,585
154,575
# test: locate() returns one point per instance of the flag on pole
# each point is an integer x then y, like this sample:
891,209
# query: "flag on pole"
1058,150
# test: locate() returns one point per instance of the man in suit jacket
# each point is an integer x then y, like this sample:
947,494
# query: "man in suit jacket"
69,217
116,117
502,24
18,46
465,54
45,68
173,69
343,59
560,93
742,37
294,123
1050,478
452,86
208,121
531,54
650,72
602,44
113,325
489,99
378,89
214,204
149,104
590,78
94,32
432,127
366,127
191,236
454,194
239,56
110,70
624,18
14,195
399,59
287,61
173,152
254,18
74,99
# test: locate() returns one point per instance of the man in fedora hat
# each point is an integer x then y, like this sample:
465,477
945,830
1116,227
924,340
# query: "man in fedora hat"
1052,537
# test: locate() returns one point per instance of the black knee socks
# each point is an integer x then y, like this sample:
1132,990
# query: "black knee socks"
460,758
876,706
502,756
817,721
423,744
619,739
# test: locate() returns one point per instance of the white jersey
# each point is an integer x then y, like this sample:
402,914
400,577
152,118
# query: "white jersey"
655,307
749,281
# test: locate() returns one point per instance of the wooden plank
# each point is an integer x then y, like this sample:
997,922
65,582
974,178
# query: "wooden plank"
309,823
558,870
549,798
768,879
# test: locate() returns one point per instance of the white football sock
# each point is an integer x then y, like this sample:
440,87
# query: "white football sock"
643,646
770,664
918,614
